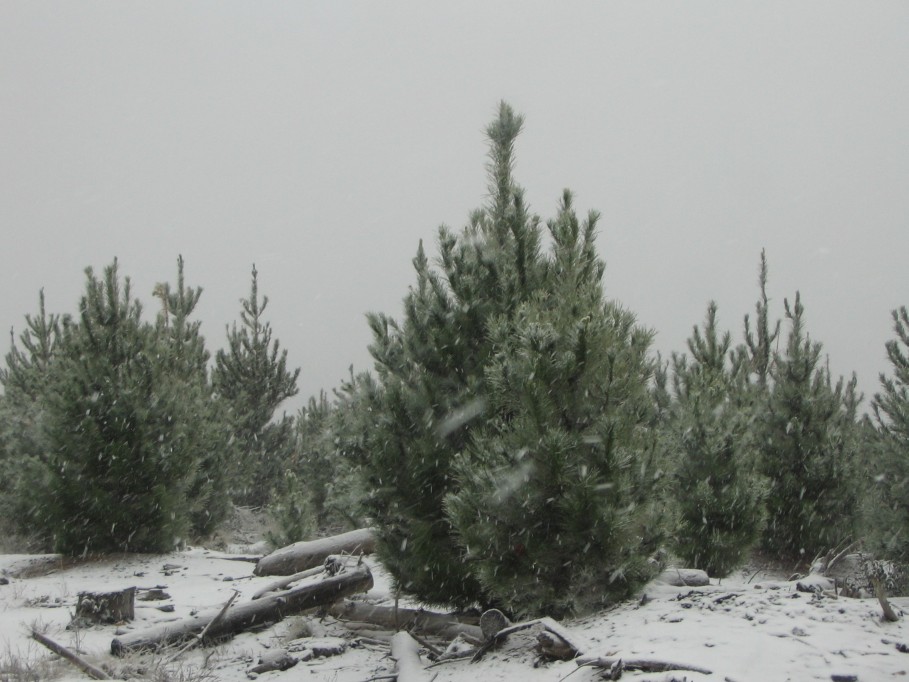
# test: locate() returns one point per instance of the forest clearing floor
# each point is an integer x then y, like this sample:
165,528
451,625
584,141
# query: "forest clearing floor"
751,626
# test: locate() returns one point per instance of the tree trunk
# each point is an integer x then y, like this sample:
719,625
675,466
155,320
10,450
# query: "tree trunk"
416,620
301,556
250,614
106,607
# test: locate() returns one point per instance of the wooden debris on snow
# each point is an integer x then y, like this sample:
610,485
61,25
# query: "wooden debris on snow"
106,607
63,652
406,652
301,556
249,614
617,664
422,622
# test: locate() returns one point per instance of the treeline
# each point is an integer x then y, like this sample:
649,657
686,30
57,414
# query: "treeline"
518,443
118,434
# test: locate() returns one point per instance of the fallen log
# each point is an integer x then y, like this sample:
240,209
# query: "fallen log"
649,665
309,554
287,580
249,614
406,652
416,620
63,652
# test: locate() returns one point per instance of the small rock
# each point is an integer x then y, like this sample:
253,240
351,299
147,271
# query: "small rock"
798,632
4,581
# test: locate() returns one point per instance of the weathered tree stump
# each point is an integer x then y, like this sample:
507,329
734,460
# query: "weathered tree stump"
106,607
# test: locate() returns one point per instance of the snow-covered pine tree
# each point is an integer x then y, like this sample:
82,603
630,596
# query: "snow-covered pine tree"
808,442
252,376
117,470
23,450
759,341
557,507
719,499
416,414
204,430
889,501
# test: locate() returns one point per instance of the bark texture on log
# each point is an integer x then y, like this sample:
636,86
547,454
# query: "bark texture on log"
416,620
250,614
304,555
63,652
106,607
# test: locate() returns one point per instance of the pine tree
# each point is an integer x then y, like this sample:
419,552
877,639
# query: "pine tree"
252,376
429,387
23,449
556,506
759,343
719,500
808,441
889,532
204,428
117,471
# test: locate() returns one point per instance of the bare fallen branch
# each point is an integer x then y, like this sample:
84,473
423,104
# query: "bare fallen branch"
201,636
63,652
303,555
284,582
649,665
406,652
249,614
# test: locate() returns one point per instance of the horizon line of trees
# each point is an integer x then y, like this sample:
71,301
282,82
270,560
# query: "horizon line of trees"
518,442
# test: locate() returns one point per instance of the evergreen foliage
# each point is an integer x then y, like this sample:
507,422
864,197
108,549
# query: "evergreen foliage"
808,440
118,470
509,368
252,376
23,447
889,533
718,498
759,342
204,428
557,506
430,382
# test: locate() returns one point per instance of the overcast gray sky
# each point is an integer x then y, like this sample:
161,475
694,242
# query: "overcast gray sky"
322,141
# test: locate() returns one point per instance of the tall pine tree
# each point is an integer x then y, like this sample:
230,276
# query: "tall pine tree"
430,381
204,427
889,531
718,497
808,446
252,376
118,471
23,448
557,507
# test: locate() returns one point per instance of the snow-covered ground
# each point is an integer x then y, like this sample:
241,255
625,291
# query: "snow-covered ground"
747,628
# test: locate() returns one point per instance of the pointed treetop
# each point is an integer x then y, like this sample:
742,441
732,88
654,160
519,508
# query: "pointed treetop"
502,133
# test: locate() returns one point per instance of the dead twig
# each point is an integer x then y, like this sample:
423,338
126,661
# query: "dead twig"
201,636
